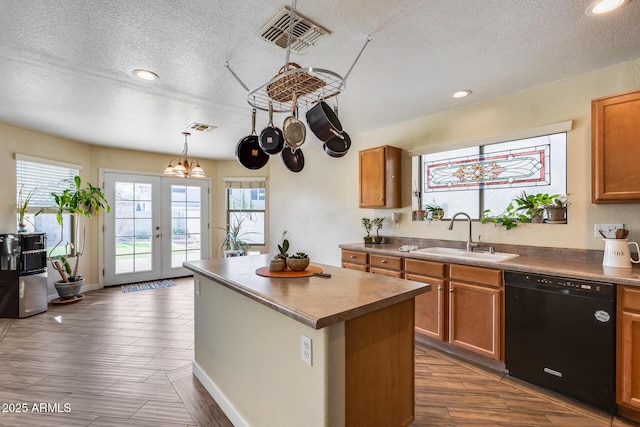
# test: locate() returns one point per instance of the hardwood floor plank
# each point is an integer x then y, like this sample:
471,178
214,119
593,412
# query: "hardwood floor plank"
175,413
142,390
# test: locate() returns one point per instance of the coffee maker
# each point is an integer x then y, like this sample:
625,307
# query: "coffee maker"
23,274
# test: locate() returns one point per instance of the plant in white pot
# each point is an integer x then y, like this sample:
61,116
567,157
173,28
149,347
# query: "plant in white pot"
83,203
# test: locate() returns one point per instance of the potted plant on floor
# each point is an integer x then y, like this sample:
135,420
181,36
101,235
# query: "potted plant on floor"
233,238
82,203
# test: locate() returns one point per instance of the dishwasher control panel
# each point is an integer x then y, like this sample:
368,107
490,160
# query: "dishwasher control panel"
559,283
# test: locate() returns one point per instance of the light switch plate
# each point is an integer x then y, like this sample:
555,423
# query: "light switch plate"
609,230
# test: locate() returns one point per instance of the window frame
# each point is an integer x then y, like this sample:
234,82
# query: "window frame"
248,183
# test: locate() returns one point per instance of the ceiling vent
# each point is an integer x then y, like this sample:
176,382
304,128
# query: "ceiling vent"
305,32
200,127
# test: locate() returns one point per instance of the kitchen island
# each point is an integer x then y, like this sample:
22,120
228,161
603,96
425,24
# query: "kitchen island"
249,350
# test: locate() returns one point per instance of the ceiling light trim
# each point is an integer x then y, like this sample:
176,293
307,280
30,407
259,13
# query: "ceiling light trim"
146,75
603,7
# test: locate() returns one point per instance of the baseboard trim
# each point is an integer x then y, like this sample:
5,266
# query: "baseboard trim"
217,395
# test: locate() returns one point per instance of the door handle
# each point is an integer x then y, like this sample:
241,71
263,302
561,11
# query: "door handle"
157,234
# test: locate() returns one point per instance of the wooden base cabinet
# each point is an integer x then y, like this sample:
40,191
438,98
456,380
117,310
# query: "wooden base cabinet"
355,260
628,352
431,307
387,265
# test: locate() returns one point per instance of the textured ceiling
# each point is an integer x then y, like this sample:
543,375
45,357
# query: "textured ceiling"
66,65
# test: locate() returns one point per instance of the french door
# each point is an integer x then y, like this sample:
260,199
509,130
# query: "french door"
155,224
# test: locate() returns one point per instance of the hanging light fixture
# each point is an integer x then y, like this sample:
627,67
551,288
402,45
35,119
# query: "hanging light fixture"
185,167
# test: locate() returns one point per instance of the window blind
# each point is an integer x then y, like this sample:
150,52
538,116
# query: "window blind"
242,182
45,176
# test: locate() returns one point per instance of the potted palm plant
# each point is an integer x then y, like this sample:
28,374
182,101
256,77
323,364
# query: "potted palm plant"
83,203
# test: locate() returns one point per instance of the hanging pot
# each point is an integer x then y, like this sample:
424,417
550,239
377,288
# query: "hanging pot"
293,159
293,129
323,122
337,147
271,138
248,151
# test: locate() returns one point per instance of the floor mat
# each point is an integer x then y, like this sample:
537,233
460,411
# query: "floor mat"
143,286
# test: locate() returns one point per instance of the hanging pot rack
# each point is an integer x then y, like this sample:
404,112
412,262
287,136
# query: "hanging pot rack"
309,84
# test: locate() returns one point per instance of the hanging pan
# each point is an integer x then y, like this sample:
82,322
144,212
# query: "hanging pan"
271,138
293,129
338,145
248,151
293,159
323,122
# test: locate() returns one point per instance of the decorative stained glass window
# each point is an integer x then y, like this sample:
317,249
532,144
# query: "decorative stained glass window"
476,178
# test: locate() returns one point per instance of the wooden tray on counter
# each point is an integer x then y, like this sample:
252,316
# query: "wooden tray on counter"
309,271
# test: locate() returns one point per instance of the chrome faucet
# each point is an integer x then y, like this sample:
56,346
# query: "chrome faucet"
470,243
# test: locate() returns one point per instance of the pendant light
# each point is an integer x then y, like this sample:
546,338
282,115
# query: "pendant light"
184,167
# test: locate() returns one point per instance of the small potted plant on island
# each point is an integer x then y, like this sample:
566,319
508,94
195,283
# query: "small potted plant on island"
278,263
377,223
368,226
298,261
82,203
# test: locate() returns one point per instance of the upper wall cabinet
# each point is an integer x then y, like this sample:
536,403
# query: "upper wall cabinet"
615,148
380,185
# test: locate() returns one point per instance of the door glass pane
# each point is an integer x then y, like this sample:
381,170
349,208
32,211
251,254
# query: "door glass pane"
133,227
185,224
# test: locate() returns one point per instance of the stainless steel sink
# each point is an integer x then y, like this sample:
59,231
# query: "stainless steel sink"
463,254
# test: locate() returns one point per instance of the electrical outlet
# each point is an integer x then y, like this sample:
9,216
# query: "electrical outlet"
196,283
609,230
306,349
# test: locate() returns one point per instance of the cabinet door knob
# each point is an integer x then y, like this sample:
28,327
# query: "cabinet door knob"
439,288
384,261
352,257
451,290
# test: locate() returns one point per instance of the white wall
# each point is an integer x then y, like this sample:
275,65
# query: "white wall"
319,206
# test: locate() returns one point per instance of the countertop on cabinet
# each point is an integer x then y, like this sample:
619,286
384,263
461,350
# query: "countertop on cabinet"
314,301
585,270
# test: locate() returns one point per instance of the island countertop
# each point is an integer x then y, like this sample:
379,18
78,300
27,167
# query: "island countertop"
314,301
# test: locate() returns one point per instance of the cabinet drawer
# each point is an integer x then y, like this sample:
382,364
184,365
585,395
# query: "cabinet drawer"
630,298
425,268
484,276
358,267
385,272
386,262
354,257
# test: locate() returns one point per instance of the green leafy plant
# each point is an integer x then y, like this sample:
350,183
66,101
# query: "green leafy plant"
434,211
368,225
233,238
377,223
532,205
504,219
283,249
79,201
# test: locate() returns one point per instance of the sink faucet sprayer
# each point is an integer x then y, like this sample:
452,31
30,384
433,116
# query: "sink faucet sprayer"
470,243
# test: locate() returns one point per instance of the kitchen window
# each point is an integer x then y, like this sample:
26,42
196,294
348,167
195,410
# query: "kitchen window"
474,176
43,177
246,205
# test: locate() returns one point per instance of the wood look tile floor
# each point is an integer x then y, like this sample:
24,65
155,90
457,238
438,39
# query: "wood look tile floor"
124,359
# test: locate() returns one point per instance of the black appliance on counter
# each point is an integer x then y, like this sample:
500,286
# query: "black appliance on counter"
560,335
23,274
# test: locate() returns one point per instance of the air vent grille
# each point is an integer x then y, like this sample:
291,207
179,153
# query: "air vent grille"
304,35
200,127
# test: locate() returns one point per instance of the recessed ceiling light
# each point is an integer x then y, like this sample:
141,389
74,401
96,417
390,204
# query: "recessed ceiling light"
461,93
603,6
145,74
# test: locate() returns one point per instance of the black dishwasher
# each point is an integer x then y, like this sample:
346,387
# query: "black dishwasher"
560,335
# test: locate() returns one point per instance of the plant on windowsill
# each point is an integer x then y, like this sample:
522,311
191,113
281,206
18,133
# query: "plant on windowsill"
233,238
434,212
23,205
368,226
82,203
377,223
533,205
557,209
